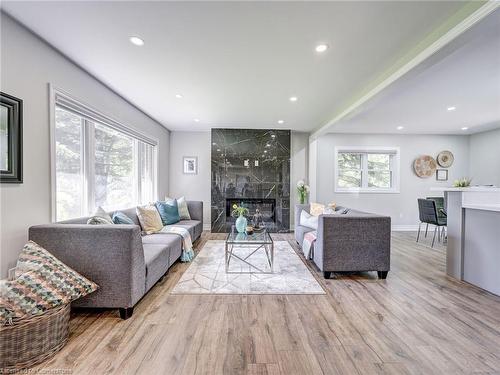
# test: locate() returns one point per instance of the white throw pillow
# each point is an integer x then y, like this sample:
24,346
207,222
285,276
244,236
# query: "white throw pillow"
308,220
100,217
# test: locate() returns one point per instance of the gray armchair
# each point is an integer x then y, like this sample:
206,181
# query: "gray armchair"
355,241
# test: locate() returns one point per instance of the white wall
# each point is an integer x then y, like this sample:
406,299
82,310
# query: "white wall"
402,207
197,187
484,161
28,65
193,187
299,155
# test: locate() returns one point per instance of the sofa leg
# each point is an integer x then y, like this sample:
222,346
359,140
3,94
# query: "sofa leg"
382,274
126,312
327,274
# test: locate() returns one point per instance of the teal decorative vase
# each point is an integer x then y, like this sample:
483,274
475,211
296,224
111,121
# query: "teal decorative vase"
241,224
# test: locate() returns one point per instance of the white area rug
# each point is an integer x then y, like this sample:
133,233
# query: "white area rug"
207,273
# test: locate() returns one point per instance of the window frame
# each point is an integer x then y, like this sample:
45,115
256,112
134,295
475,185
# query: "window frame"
89,114
364,151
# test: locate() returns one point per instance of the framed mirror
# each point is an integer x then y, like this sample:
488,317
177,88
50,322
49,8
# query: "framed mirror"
11,139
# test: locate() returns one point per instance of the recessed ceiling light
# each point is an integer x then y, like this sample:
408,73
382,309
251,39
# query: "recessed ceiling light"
213,143
465,128
451,108
179,96
218,150
196,120
268,145
281,121
321,48
293,98
273,135
136,40
265,151
400,127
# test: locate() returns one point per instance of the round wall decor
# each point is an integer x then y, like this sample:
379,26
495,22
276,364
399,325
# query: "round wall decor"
424,166
445,159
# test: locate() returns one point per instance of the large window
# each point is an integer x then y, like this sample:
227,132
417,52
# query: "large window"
367,170
98,163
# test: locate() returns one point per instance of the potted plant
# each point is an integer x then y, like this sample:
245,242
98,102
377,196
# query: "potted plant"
241,221
303,190
463,182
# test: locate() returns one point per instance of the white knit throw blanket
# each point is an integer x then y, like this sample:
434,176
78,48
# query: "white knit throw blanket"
308,244
187,245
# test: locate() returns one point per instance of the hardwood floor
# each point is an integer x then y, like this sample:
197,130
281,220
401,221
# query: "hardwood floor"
417,321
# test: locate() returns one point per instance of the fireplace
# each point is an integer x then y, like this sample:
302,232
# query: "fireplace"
251,166
266,207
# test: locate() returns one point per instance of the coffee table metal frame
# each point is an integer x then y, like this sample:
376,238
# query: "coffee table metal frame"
261,240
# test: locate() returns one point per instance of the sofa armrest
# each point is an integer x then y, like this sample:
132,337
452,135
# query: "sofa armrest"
110,255
354,242
196,210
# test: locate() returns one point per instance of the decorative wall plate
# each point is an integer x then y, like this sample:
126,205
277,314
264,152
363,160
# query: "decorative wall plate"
445,159
424,166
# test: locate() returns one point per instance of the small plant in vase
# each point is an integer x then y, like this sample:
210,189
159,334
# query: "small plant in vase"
241,221
303,191
463,182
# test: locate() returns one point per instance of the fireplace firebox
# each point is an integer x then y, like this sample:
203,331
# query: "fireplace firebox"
266,207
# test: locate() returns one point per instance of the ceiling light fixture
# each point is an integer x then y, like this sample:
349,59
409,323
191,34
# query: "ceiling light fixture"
281,121
465,128
293,98
136,41
400,127
321,48
196,120
451,108
179,96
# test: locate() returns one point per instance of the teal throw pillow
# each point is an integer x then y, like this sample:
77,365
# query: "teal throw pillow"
120,218
169,212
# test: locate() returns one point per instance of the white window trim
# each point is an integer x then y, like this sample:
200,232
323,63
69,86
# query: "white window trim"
59,97
395,168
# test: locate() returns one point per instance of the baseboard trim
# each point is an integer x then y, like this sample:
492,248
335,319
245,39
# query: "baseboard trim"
404,228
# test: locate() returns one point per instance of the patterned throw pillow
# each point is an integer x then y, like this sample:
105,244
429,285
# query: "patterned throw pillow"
182,206
149,218
42,282
316,209
100,217
168,211
120,218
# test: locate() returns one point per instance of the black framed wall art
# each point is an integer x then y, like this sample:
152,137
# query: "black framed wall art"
11,139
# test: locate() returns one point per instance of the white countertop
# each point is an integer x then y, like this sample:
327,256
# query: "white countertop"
485,207
482,189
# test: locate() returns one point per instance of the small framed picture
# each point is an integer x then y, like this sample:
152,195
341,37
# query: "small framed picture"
441,174
190,164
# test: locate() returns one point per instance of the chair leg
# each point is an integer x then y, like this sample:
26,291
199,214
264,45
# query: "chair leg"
434,237
418,234
382,274
327,274
426,227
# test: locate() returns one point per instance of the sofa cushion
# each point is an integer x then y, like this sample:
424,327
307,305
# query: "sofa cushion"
308,220
149,218
169,212
173,241
300,231
120,218
158,249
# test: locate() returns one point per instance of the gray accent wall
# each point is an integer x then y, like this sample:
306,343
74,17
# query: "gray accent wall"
402,207
484,161
28,65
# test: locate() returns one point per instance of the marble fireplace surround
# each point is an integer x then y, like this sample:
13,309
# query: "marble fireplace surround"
251,165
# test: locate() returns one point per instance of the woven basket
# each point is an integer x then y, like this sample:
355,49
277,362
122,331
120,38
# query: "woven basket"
33,340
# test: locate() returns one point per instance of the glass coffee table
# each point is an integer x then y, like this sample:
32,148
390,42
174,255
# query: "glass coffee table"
250,244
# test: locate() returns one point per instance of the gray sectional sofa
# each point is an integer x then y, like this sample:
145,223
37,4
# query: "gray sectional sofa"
123,262
355,241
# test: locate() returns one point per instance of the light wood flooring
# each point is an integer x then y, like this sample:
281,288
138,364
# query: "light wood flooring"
418,321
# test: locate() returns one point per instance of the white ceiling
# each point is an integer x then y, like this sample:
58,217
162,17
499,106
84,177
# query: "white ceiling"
465,74
236,63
